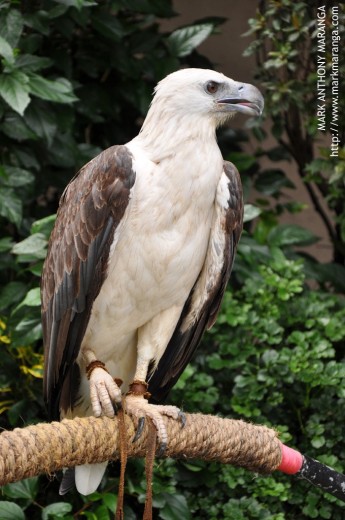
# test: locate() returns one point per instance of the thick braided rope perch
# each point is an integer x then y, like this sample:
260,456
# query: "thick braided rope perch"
47,448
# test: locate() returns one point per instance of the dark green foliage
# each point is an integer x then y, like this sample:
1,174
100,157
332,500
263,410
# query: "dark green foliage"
76,76
275,356
287,49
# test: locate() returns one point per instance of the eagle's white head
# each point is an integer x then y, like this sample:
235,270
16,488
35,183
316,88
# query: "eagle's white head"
191,103
206,92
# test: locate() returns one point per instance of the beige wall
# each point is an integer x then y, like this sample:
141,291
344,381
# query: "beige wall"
225,51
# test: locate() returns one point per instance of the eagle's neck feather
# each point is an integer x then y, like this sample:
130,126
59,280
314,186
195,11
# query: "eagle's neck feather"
164,132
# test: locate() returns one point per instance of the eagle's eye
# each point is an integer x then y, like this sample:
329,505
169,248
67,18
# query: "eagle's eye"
212,87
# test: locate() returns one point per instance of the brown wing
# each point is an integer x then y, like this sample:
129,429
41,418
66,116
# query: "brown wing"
202,306
90,210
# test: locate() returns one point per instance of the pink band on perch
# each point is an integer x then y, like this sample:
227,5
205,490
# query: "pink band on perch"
291,462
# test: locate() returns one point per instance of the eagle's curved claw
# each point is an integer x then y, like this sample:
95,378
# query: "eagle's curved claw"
161,449
183,418
140,428
138,407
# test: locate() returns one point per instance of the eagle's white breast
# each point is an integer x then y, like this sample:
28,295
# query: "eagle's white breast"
158,251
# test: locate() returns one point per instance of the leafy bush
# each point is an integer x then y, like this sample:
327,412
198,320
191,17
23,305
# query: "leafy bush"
286,48
276,356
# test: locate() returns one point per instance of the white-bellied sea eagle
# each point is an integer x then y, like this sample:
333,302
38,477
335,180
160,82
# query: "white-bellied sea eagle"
140,255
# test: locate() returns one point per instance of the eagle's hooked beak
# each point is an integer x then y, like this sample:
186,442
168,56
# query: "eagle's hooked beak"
247,100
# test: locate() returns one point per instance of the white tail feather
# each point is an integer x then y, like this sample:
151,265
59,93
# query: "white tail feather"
88,477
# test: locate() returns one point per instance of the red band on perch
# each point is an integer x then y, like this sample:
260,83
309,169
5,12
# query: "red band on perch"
291,462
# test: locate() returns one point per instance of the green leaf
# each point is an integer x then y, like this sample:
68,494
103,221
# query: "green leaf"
15,127
14,177
44,225
26,488
270,182
242,161
78,4
25,155
32,299
36,268
10,511
110,501
32,63
175,508
64,151
27,331
108,26
89,515
278,153
102,513
34,245
11,206
318,441
59,90
334,273
250,212
56,510
14,90
288,234
6,244
193,467
39,21
183,41
11,26
57,11
12,293
41,121
6,50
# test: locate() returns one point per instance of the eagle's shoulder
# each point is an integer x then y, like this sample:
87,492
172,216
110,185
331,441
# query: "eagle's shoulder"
98,192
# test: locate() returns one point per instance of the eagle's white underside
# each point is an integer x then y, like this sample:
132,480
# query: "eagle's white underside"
155,260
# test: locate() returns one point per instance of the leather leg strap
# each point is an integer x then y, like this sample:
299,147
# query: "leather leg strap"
139,388
99,364
94,364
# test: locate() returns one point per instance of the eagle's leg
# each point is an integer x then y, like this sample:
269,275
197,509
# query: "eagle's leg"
104,391
153,338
